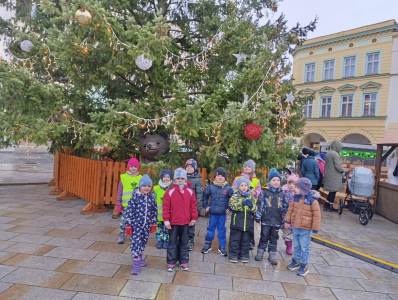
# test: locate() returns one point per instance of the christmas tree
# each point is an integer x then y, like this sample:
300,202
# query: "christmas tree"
85,73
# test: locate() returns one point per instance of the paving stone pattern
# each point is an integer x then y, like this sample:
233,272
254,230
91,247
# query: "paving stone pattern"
48,250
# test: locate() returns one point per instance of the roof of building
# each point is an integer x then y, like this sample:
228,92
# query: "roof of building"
348,34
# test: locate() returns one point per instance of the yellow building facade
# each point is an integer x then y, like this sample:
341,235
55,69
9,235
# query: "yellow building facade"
353,77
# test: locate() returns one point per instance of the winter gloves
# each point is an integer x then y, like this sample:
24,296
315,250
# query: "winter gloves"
247,203
129,231
119,209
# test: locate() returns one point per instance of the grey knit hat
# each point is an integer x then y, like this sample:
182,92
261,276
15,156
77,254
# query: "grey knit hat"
180,173
304,185
250,163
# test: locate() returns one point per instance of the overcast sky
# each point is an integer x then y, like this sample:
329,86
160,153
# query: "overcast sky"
338,15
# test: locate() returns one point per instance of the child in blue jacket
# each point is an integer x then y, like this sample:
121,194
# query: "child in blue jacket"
216,202
140,218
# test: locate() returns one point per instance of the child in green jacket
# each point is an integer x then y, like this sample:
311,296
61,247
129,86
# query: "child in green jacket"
162,233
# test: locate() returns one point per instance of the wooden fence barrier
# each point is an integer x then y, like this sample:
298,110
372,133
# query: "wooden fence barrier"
96,181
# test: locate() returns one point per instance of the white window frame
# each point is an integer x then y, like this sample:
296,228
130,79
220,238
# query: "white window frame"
347,100
367,108
328,69
311,72
351,66
373,63
306,112
327,105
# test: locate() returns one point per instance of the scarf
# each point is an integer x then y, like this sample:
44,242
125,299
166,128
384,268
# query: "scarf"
272,188
133,174
181,185
220,184
165,185
244,194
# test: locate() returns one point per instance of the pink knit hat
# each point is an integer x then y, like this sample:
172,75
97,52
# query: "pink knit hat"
293,177
133,162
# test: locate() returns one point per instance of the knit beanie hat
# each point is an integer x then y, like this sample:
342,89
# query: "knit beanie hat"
292,177
221,171
311,152
145,180
242,179
323,156
305,150
250,163
304,185
180,173
166,172
133,162
274,173
192,162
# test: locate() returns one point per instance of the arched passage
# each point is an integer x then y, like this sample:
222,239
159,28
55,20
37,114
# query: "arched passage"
356,136
313,140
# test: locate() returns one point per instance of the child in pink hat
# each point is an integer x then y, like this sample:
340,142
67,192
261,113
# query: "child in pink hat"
128,183
289,189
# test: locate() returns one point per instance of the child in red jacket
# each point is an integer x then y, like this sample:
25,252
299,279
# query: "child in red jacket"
179,212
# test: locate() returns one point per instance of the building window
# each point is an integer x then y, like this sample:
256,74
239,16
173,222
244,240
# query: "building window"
373,63
310,73
369,104
328,70
349,66
346,106
326,107
307,111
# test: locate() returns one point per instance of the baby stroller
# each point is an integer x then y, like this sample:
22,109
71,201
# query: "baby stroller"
360,184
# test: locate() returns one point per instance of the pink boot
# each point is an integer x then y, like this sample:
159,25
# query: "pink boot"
289,249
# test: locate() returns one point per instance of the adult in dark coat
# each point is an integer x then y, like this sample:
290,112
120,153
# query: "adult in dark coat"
301,158
333,180
310,169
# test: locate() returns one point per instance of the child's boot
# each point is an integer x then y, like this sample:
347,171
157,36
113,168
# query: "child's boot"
303,270
272,259
165,244
289,249
207,246
222,250
259,256
159,244
121,238
294,265
143,263
190,244
185,267
170,268
136,266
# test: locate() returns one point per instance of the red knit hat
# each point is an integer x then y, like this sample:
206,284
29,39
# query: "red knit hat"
133,162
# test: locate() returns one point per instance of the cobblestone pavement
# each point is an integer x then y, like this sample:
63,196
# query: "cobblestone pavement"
48,250
26,164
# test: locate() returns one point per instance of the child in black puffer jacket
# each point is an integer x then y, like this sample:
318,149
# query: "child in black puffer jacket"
272,206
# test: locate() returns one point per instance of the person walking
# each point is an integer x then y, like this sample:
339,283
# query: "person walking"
310,169
334,172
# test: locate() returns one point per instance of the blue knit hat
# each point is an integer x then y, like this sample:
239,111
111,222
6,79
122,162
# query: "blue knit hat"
323,156
180,173
242,179
273,173
166,172
145,180
192,162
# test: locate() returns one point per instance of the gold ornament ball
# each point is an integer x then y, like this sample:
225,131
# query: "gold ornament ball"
83,17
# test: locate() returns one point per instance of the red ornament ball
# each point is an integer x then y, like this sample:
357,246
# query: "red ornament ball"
252,131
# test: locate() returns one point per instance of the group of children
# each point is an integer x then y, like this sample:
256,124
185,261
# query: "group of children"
173,208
